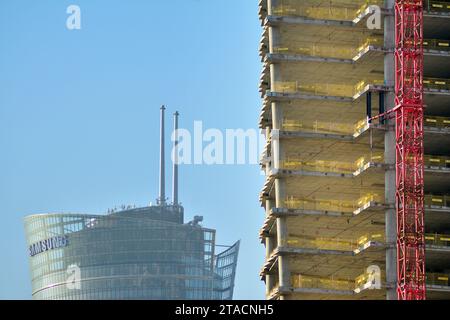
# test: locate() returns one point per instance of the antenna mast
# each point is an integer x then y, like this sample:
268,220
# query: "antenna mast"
162,188
175,160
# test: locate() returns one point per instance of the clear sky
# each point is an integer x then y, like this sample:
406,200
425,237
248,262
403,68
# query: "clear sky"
79,115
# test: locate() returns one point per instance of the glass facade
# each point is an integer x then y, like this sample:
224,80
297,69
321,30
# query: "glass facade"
226,263
145,253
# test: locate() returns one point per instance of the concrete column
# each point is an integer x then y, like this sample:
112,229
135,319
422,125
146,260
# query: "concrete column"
389,144
270,241
270,278
274,41
284,274
277,153
270,246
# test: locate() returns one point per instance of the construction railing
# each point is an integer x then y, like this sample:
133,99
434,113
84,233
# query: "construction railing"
342,10
295,163
438,6
436,44
292,163
324,126
332,205
440,240
337,50
328,50
364,281
436,83
324,89
369,279
437,200
346,90
437,279
327,89
350,206
341,244
438,122
311,282
437,161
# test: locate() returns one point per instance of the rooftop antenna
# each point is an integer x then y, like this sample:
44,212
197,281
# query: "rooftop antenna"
175,160
162,189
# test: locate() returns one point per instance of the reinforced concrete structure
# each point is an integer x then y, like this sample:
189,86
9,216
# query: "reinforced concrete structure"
130,253
329,93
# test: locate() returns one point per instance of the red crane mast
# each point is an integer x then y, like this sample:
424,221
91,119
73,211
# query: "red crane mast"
409,149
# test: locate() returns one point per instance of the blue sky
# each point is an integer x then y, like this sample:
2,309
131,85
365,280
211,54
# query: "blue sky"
79,115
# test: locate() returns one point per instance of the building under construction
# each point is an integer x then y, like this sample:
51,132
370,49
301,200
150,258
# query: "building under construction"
129,253
357,121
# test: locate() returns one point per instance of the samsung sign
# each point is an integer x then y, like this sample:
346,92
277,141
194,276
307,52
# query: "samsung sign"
49,244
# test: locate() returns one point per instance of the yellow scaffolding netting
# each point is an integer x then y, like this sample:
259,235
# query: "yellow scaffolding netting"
346,90
324,89
436,83
324,126
355,245
350,206
438,122
332,283
330,10
437,161
440,240
349,128
436,44
340,51
327,50
437,200
439,6
311,282
340,10
296,163
332,205
437,279
340,244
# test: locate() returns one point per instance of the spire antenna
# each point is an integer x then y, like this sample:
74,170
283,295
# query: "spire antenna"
175,159
162,188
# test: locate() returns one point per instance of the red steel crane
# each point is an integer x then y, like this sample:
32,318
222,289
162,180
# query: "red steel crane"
409,111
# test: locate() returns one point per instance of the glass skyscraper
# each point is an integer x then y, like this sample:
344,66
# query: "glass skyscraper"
136,253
